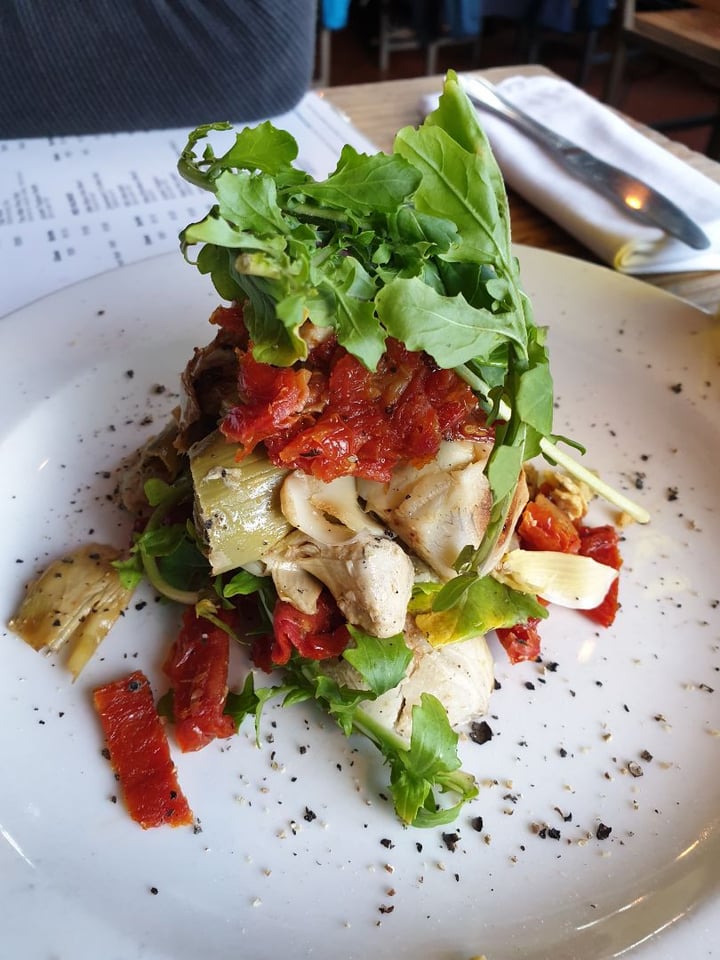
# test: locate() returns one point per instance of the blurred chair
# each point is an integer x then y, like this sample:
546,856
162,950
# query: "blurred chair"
75,67
582,19
685,34
431,25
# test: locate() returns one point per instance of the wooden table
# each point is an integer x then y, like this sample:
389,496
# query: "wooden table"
380,109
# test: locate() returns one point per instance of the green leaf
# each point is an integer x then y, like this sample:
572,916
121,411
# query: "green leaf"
452,592
433,742
242,584
362,183
161,542
430,764
447,328
249,703
130,571
263,147
473,608
165,706
252,201
354,311
504,469
189,167
157,491
533,401
381,663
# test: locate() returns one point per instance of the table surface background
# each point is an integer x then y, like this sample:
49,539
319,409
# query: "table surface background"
380,109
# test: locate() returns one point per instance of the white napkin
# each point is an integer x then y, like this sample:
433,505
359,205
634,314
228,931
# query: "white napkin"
628,246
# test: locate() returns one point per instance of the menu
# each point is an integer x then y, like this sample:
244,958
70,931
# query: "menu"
73,207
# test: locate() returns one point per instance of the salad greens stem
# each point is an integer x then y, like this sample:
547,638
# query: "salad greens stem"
155,577
577,470
558,457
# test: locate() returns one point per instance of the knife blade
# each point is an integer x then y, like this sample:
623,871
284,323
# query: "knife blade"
636,198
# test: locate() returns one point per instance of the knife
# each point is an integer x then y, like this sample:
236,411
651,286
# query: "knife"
636,198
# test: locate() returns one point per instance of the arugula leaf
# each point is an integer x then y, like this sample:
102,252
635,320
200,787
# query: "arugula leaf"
249,703
447,328
243,584
420,771
471,606
429,764
381,663
166,554
363,183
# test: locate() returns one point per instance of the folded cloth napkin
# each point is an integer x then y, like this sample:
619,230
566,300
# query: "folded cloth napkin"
627,245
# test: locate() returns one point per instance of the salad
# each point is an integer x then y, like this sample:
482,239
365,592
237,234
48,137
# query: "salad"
345,490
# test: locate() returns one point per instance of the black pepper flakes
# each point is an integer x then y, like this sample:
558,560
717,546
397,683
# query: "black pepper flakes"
451,841
477,824
603,831
309,815
480,732
387,843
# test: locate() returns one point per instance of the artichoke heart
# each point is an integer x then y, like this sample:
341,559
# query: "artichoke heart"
76,600
237,503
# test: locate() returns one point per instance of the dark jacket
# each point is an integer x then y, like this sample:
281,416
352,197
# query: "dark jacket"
91,66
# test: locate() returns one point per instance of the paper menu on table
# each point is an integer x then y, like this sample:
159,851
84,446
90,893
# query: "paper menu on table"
73,207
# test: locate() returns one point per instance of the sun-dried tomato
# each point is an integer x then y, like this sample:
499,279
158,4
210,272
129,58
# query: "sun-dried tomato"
330,416
317,636
544,526
603,544
197,667
139,753
521,642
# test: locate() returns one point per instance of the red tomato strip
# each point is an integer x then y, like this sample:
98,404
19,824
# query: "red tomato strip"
274,398
544,526
521,642
316,636
197,667
139,753
602,544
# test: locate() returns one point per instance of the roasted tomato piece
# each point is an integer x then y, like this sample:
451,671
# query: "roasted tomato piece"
139,753
330,416
315,636
544,526
603,544
197,667
273,399
521,642
231,318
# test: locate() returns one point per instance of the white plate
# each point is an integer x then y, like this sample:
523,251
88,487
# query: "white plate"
637,381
